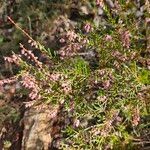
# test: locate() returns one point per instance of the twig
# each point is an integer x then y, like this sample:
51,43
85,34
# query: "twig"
18,27
41,47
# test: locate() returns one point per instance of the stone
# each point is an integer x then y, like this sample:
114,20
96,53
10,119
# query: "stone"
38,122
100,11
110,3
139,14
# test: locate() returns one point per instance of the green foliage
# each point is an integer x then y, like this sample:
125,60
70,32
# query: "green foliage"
144,76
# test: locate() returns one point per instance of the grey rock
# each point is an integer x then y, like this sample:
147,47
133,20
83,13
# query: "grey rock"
110,3
97,21
139,14
100,11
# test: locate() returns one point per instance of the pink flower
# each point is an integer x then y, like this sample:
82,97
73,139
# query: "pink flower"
8,81
119,56
87,28
29,55
76,123
71,36
108,38
136,117
125,38
55,76
62,40
100,3
13,59
106,84
66,87
29,104
147,20
29,83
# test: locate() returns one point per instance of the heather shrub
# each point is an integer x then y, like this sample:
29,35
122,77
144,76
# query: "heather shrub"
98,71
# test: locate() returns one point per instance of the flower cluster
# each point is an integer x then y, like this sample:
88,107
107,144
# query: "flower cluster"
103,72
71,40
29,104
100,3
29,83
69,50
69,37
29,55
119,56
116,64
87,27
125,38
123,57
7,81
13,59
66,87
33,43
73,45
136,117
106,84
8,87
108,37
57,76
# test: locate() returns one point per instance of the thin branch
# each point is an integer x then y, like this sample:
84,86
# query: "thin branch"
18,27
41,47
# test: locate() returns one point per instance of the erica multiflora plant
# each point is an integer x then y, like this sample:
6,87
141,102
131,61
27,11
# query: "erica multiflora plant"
24,78
35,77
105,106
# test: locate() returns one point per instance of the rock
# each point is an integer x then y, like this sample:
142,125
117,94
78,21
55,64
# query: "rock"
97,21
100,11
139,14
110,3
84,10
38,123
